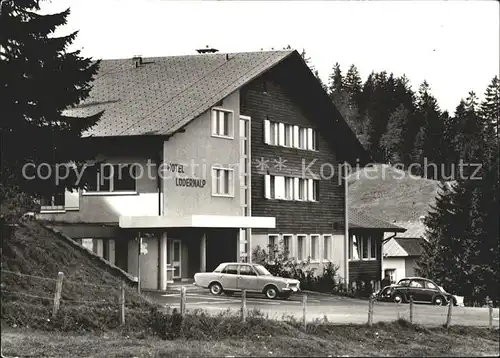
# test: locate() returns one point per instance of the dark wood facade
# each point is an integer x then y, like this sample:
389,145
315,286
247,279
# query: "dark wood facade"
270,97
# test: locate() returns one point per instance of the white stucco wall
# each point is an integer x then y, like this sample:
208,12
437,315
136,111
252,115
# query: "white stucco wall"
196,151
397,263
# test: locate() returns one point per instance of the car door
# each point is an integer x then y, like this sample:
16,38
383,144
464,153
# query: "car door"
229,277
248,279
431,291
417,290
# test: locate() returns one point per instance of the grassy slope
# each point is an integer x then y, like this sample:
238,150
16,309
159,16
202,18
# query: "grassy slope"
322,340
36,251
383,192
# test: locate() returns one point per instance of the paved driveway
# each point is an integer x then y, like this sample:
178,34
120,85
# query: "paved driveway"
336,309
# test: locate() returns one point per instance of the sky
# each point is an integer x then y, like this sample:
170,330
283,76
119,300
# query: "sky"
454,45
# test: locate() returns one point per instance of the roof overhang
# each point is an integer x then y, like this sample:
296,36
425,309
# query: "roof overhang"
199,221
381,229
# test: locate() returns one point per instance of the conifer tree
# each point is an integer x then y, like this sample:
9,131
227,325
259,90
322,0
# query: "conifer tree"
313,69
393,140
336,81
40,79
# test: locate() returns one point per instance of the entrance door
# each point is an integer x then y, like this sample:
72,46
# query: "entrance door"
176,251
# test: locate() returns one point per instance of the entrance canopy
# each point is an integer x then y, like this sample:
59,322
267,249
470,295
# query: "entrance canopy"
213,221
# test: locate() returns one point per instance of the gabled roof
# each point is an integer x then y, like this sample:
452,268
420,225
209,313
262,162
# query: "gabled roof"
414,229
163,94
360,220
400,247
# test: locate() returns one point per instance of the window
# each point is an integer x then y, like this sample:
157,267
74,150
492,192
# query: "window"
289,188
314,140
247,270
391,273
273,133
404,282
430,285
373,247
274,187
222,182
313,189
222,123
115,178
287,248
288,135
54,201
364,247
302,189
301,244
314,247
302,144
360,248
261,270
231,270
273,241
327,246
124,178
417,284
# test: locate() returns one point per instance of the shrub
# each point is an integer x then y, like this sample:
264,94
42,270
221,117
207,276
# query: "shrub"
279,263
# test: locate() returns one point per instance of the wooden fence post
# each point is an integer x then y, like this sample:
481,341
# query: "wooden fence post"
122,303
57,294
490,309
304,311
183,301
370,312
411,309
448,316
244,306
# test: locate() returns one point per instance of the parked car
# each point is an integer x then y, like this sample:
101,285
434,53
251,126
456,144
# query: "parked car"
230,277
422,289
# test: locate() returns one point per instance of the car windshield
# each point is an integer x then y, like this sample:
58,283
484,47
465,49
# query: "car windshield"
262,270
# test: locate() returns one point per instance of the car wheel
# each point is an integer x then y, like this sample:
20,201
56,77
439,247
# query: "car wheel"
215,288
271,292
398,298
438,301
228,293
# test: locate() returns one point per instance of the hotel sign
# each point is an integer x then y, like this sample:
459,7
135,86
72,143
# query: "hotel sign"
185,182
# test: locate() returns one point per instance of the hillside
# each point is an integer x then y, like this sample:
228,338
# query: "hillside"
90,290
391,194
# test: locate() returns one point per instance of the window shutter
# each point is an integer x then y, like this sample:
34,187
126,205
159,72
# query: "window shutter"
279,187
295,136
267,131
267,186
296,184
72,200
309,138
310,189
214,122
281,134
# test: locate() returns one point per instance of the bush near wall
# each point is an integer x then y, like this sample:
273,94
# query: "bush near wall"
279,263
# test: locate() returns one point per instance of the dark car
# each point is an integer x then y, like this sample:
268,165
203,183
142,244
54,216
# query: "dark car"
422,289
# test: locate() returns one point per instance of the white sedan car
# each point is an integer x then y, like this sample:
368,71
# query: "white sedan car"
230,277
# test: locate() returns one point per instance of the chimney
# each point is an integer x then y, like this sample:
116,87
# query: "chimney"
137,60
208,49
